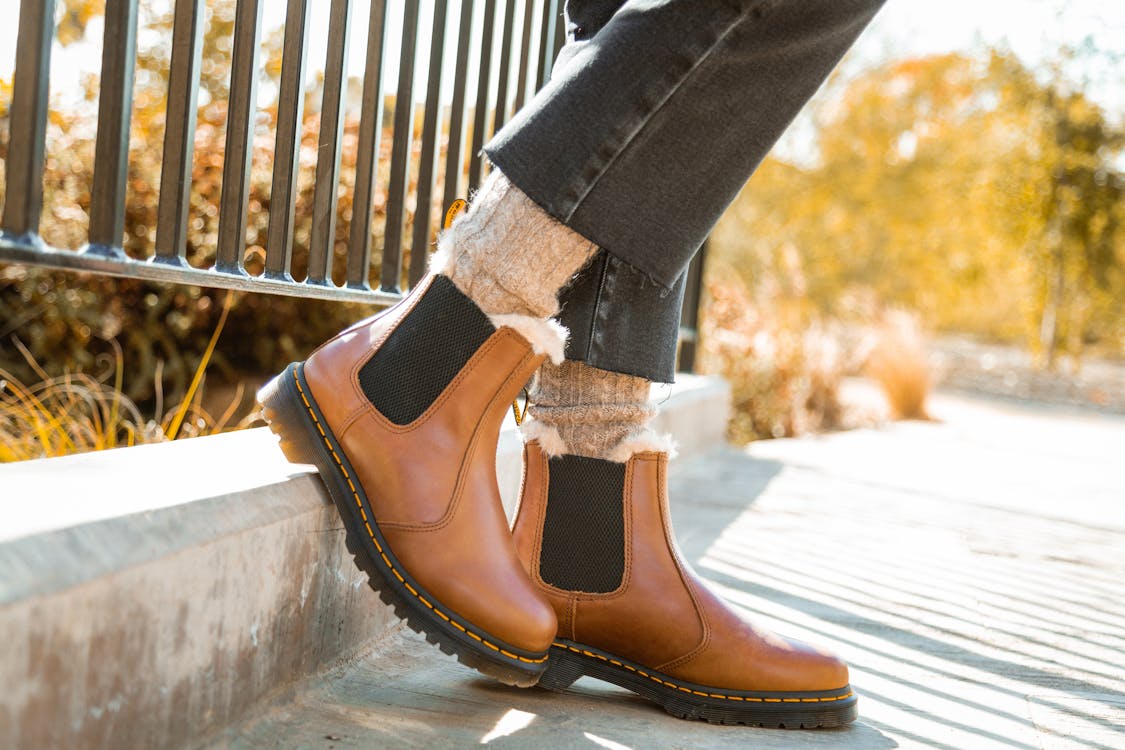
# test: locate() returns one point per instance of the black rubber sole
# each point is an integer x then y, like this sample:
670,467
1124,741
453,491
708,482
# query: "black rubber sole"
832,708
292,413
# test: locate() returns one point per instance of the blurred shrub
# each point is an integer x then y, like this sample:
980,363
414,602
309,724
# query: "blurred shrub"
784,374
899,363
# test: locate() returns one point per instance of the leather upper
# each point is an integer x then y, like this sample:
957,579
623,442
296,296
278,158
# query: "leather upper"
432,484
663,616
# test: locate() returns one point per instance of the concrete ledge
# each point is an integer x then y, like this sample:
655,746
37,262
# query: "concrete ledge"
151,595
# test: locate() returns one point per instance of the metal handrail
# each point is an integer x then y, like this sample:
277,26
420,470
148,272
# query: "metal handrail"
103,253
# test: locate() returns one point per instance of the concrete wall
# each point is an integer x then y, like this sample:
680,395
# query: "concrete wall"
149,596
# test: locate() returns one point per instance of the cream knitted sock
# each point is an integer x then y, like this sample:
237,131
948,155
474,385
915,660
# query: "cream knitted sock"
580,410
507,254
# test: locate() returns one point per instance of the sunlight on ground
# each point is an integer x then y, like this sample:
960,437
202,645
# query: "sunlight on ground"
510,723
603,742
981,618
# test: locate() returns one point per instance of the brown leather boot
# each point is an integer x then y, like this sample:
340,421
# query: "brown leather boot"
401,414
596,538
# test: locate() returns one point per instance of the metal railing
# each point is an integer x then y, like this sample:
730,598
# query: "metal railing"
450,33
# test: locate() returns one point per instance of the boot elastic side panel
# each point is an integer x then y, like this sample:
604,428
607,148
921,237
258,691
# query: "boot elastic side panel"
584,529
424,352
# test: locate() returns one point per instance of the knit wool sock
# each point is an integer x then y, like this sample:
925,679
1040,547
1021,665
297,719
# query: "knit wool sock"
508,255
580,410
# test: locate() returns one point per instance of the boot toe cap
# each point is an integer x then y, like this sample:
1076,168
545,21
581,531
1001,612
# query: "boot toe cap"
819,668
523,620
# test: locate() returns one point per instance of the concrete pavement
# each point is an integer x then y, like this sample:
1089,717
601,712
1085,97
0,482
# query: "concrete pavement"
972,571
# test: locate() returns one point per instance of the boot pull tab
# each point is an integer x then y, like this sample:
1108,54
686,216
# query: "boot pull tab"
455,208
519,415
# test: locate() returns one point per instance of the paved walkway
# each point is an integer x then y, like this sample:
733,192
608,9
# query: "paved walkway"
971,570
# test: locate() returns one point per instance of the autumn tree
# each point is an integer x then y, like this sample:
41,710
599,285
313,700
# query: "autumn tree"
960,187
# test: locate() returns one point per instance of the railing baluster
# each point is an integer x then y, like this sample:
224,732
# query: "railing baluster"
111,150
547,36
23,195
323,241
367,151
399,184
689,311
431,132
455,148
287,144
240,136
505,66
179,134
560,31
480,112
524,71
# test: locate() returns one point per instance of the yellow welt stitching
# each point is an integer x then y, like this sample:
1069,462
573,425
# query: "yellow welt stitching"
696,692
371,533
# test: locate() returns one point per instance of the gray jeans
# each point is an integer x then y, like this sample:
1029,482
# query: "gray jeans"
657,113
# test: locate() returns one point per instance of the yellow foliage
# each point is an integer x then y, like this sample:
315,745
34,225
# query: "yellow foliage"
958,187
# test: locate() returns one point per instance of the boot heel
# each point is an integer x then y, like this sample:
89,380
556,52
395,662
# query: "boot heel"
283,409
563,669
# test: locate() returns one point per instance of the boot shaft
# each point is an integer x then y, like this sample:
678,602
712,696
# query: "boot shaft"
609,522
661,615
428,382
401,414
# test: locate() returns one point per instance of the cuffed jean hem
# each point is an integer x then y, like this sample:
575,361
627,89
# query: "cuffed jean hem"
620,320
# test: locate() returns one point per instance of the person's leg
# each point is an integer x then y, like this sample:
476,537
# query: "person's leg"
593,527
687,117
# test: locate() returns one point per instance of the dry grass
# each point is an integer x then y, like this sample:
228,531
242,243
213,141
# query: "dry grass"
79,412
898,362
